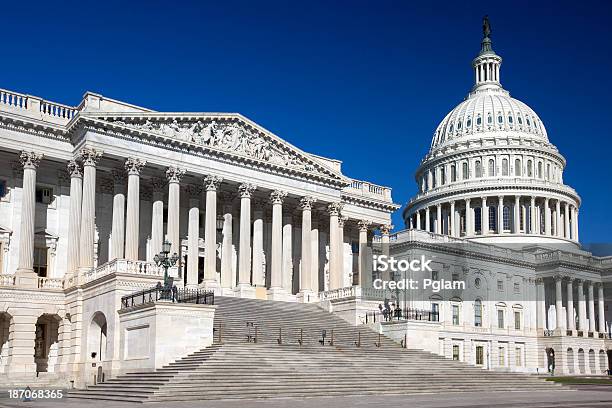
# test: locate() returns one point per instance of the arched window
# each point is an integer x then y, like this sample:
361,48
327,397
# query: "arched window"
504,167
510,119
506,216
433,179
490,119
540,174
468,124
519,119
477,220
442,176
492,218
451,128
517,167
459,125
500,119
528,122
491,168
529,168
464,171
548,171
478,313
478,120
453,173
478,168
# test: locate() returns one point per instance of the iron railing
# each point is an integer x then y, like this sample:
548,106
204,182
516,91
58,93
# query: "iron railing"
402,314
175,295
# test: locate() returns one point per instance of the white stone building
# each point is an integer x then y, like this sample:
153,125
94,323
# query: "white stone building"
89,193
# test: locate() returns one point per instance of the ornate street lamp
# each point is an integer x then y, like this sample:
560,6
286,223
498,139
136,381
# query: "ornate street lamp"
162,259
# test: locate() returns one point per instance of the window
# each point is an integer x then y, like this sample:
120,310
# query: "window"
517,167
435,312
477,313
40,261
442,176
548,171
517,287
44,195
465,171
453,174
506,216
502,356
456,352
491,167
500,285
517,320
478,120
500,318
504,167
433,179
455,315
451,128
477,220
540,175
510,119
528,122
477,282
468,124
455,277
2,188
492,218
520,120
434,275
478,168
490,119
479,355
459,125
518,355
529,168
500,119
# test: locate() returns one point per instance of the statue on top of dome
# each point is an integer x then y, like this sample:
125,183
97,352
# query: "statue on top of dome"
486,27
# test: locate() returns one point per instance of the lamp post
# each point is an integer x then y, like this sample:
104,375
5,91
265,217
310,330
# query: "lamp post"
162,259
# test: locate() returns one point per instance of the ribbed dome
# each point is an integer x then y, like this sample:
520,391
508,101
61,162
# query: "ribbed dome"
488,110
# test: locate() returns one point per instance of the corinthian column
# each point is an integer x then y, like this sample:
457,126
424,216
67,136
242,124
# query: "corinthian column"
74,222
174,176
571,322
559,301
157,217
591,308
484,217
517,215
193,236
314,250
335,261
365,275
306,270
601,308
226,245
276,291
288,252
211,184
118,223
547,229
244,264
453,228
89,158
30,162
132,232
500,215
566,223
385,229
582,320
341,222
258,247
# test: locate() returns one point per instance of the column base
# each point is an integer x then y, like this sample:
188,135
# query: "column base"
245,290
306,296
26,278
278,294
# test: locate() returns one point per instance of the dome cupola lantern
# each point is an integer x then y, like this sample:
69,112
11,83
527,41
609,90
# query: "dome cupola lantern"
486,65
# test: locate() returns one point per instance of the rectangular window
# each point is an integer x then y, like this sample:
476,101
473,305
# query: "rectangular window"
517,287
40,261
2,188
456,352
478,314
456,315
502,356
518,357
435,312
434,275
479,355
44,195
455,277
500,319
500,285
517,320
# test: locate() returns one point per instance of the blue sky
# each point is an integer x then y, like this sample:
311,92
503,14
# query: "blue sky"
363,82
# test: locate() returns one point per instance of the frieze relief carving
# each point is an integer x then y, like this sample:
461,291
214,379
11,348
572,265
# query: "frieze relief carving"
228,136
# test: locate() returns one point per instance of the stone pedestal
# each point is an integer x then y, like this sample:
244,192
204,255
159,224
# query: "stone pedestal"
307,296
153,335
245,290
278,294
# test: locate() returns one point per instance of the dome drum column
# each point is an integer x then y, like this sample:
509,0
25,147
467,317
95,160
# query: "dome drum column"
500,215
453,230
517,214
484,217
546,217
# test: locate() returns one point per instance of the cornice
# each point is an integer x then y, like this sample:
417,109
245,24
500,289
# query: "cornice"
33,127
369,202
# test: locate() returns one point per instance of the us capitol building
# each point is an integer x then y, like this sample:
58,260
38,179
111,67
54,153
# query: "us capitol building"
89,195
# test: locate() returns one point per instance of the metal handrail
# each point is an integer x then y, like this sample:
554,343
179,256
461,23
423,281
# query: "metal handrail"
174,295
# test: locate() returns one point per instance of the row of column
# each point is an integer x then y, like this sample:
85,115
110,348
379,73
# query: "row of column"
562,224
584,324
124,242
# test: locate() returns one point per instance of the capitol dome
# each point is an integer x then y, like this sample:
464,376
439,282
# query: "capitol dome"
491,173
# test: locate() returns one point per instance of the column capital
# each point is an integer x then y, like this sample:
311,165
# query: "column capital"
569,279
246,190
579,281
467,201
539,281
277,196
364,225
307,202
385,229
500,198
174,174
212,183
194,191
341,221
484,199
90,156
74,169
452,202
133,165
30,160
598,285
558,278
335,208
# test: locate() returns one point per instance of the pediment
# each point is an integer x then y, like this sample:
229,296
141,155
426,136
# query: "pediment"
226,133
